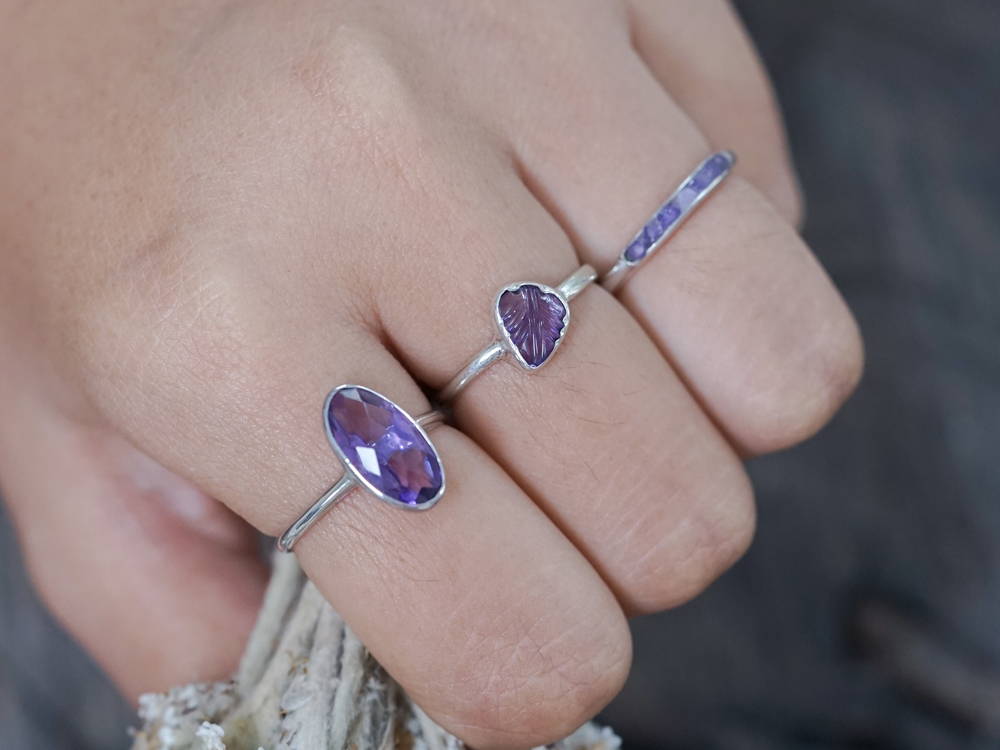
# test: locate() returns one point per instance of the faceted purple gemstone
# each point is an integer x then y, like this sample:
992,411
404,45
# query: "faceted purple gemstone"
382,443
533,321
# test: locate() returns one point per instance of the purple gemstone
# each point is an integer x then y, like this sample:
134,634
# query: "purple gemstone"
686,197
671,211
637,249
668,215
651,233
533,321
709,171
653,230
383,445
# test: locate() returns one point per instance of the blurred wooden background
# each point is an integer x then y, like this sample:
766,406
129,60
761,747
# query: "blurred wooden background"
867,615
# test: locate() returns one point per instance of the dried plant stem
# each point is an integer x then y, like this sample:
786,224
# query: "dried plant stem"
305,683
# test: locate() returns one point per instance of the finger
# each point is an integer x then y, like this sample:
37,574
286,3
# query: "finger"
606,439
701,54
735,300
159,582
533,654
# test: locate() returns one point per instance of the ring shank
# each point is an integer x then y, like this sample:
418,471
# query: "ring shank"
577,281
330,498
479,363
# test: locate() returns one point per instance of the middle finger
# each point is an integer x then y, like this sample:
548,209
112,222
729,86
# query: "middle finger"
606,439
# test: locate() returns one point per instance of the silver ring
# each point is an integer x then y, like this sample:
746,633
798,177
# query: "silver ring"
382,448
531,320
668,218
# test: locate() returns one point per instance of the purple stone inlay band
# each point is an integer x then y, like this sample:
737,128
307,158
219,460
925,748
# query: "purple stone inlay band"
383,445
677,208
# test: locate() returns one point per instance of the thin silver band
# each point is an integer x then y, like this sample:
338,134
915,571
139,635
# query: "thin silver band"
575,283
335,494
614,278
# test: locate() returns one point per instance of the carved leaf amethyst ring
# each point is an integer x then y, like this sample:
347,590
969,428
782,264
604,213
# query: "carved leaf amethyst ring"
382,448
668,218
531,320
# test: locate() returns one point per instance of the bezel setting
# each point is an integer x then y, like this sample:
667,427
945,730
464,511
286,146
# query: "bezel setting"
358,476
509,346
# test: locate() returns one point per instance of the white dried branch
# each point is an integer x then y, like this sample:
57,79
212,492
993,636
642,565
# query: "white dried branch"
305,683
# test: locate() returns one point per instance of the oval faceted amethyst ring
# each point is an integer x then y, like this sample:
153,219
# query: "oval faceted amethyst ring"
382,448
668,218
531,320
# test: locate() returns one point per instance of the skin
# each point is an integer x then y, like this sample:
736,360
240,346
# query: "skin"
212,213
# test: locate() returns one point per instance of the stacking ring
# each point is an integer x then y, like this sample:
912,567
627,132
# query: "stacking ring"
668,218
382,448
531,320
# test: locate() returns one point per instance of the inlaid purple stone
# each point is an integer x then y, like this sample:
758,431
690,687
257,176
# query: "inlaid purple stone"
711,169
637,249
654,230
668,215
532,319
383,446
686,197
675,209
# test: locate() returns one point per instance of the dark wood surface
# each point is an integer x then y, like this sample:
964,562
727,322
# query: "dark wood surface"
871,598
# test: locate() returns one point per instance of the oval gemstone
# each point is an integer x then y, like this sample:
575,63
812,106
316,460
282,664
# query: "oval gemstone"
383,446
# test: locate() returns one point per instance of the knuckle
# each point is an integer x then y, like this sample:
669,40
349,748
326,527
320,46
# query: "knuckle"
543,684
357,80
699,547
158,318
839,372
171,339
811,393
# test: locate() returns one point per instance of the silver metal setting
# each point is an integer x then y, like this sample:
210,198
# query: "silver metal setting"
577,281
359,478
353,478
503,346
623,267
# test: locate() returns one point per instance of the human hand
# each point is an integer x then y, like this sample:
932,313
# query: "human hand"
212,213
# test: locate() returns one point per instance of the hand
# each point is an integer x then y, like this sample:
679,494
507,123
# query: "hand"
212,213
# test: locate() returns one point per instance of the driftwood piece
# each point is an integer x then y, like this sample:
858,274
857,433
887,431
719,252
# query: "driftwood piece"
305,683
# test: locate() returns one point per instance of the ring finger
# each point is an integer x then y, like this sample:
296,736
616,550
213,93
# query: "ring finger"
606,439
735,300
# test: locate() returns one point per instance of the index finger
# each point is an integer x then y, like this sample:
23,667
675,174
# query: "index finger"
488,616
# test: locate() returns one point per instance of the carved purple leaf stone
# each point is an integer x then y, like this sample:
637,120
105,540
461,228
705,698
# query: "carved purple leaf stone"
533,320
383,445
